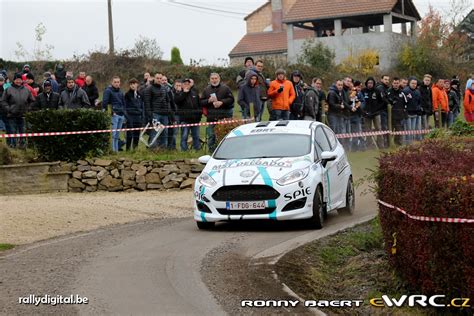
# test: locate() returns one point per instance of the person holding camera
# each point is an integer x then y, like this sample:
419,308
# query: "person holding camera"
282,94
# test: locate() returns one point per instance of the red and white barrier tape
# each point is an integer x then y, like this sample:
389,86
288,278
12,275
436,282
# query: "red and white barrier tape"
119,130
379,133
429,218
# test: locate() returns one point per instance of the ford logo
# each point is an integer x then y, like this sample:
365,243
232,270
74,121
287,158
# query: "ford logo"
247,173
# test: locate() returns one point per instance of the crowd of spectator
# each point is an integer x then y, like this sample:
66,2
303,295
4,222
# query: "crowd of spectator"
349,106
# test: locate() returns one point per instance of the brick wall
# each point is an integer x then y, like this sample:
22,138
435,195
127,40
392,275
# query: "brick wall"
260,20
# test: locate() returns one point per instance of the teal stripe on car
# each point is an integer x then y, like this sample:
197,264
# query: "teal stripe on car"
203,190
268,181
238,133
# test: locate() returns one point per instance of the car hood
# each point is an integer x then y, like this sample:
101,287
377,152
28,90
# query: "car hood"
242,171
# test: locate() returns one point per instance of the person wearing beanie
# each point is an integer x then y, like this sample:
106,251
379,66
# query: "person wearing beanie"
26,69
48,99
30,80
282,94
60,74
16,101
248,65
54,84
296,108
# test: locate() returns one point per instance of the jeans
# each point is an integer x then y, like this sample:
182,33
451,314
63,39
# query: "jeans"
3,126
162,141
117,123
211,138
279,115
133,137
384,126
15,125
357,143
374,121
452,116
195,135
425,119
413,123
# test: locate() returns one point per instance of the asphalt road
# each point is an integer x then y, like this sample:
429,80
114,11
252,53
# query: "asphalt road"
160,267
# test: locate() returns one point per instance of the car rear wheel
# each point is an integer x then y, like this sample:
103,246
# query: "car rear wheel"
317,219
350,199
205,225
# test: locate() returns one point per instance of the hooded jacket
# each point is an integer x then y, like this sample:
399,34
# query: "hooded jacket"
16,101
281,100
223,94
75,98
114,97
453,100
47,101
440,99
188,106
398,100
413,100
248,93
335,99
297,106
382,98
469,101
372,104
426,99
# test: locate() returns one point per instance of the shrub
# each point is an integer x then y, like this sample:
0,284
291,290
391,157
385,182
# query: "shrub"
70,147
221,130
432,178
361,64
317,55
5,154
176,56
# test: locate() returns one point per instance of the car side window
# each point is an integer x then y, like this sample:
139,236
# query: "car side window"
321,141
331,137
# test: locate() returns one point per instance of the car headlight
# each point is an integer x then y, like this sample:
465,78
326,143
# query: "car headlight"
206,180
294,176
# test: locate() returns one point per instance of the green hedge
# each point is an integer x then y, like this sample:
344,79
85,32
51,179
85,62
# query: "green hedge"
70,147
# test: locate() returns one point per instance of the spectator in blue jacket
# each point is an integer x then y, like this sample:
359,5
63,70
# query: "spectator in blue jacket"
114,96
413,96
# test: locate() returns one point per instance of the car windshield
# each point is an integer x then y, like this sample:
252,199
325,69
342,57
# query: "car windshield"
264,146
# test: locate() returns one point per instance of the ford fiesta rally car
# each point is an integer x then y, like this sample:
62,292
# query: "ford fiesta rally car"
279,170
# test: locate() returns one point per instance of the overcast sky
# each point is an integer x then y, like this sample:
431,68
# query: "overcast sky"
78,26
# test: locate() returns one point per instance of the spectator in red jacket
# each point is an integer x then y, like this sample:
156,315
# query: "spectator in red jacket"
81,79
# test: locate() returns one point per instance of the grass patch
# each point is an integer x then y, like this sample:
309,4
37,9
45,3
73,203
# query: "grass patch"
4,247
349,265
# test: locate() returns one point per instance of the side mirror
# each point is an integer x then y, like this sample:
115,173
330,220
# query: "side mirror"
327,156
204,159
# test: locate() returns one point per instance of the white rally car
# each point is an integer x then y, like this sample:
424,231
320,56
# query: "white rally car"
279,170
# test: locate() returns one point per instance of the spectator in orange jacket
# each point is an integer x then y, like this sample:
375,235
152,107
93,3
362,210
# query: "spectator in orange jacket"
440,100
469,104
282,93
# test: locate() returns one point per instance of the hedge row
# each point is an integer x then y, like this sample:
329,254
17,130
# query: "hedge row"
432,178
71,147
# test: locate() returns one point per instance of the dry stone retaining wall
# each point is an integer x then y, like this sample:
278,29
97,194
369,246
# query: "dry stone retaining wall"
92,175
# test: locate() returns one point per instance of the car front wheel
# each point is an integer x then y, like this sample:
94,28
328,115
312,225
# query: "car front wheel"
205,225
350,199
317,219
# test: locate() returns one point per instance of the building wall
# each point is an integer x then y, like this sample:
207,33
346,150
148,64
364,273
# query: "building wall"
260,20
287,4
278,60
387,44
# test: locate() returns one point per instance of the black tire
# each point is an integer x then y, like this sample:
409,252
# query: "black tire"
205,225
319,213
350,199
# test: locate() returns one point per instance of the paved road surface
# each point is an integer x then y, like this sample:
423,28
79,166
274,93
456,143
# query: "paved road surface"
159,267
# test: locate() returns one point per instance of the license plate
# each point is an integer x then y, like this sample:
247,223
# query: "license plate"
256,205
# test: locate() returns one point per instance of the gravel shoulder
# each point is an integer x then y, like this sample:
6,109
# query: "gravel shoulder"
29,218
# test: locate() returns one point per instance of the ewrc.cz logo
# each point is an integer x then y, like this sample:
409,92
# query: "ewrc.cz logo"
420,300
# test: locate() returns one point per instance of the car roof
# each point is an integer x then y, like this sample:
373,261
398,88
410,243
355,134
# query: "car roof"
275,127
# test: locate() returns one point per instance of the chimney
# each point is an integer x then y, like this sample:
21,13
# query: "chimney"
277,15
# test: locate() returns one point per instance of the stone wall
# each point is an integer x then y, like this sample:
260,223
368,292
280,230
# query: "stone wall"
92,175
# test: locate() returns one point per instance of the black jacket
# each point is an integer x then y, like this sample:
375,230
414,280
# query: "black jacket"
188,106
382,97
311,103
46,101
134,109
92,93
16,101
335,99
398,100
426,99
413,100
157,101
453,100
223,94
